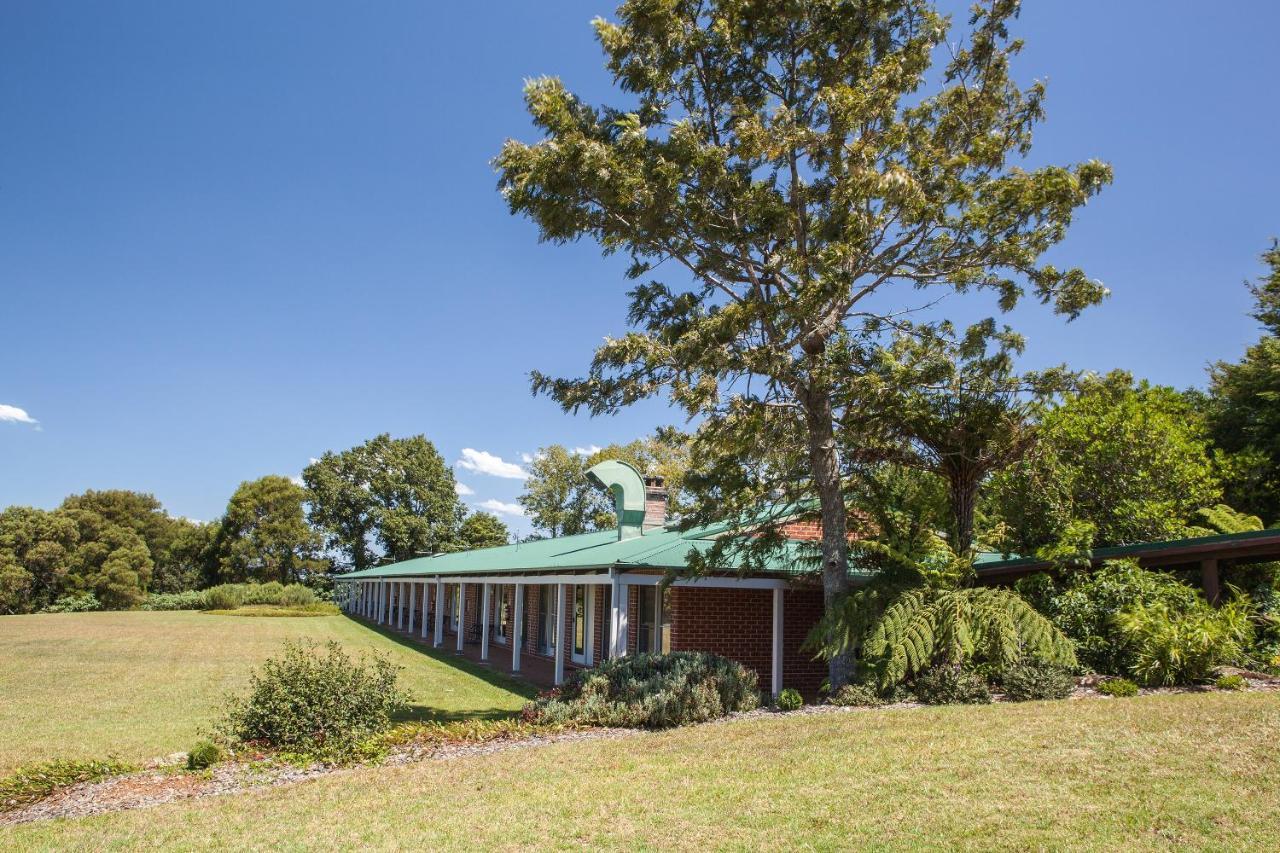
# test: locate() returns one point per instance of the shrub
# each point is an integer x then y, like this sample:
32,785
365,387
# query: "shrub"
1118,687
227,596
857,695
1085,609
76,602
650,691
1181,647
192,599
789,700
315,702
34,782
1030,681
263,593
295,595
951,684
204,754
1235,681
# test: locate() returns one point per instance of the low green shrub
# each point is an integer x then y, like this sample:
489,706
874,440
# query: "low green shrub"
315,701
649,691
76,602
857,695
263,593
318,608
227,596
33,782
296,595
789,700
1118,687
192,599
1031,681
1234,681
949,684
204,754
1183,646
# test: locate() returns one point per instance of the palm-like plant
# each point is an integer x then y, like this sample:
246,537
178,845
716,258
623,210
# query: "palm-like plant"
920,612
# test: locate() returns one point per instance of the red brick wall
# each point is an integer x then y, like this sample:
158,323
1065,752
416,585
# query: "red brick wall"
738,623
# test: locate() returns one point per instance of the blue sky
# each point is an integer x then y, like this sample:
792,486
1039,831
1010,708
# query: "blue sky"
236,235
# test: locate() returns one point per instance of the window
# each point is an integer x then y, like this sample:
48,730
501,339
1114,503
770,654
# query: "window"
647,630
504,615
455,604
547,619
582,619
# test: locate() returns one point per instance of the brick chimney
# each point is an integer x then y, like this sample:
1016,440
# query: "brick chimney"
655,503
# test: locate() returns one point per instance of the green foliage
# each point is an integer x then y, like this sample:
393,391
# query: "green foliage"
1118,687
34,782
1171,646
789,700
1244,409
229,596
189,600
1234,681
315,701
318,608
264,535
650,691
482,530
204,754
1025,682
921,626
951,684
1132,460
396,492
1085,610
78,602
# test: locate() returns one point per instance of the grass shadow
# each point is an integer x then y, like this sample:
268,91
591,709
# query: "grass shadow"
418,712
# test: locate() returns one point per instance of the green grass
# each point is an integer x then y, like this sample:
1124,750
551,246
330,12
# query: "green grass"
1152,772
140,685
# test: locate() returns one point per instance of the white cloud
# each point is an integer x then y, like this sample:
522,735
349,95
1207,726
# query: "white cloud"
481,462
502,508
527,458
463,489
297,481
589,450
13,414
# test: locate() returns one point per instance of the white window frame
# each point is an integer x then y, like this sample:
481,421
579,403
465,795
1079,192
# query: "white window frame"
588,618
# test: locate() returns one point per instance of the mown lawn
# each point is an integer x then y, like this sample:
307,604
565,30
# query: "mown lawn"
140,685
1153,772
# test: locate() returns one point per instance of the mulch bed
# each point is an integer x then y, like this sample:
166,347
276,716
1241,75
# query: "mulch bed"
165,781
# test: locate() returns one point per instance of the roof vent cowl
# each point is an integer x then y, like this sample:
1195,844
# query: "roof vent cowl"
627,487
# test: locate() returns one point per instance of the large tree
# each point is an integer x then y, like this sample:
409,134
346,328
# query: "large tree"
1131,460
35,557
482,530
1245,406
144,515
388,497
800,175
264,535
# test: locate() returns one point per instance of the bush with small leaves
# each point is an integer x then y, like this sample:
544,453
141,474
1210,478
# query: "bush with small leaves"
192,599
951,684
34,782
1234,681
204,754
1118,687
789,700
857,695
1031,681
76,602
649,691
315,701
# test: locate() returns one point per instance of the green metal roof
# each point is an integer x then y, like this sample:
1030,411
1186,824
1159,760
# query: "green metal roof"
989,562
664,548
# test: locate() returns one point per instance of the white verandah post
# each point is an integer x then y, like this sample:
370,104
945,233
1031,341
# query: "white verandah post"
560,632
413,595
439,638
777,642
517,629
484,622
426,586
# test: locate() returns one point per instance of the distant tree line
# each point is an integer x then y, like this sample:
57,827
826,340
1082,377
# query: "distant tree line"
387,499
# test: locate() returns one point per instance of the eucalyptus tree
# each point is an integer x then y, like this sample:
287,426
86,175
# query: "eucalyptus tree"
788,179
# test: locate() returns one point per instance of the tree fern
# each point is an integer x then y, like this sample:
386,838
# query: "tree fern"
919,627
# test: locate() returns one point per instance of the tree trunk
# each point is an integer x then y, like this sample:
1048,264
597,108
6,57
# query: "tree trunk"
825,463
963,488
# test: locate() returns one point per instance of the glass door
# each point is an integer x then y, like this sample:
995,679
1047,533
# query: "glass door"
582,600
547,619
